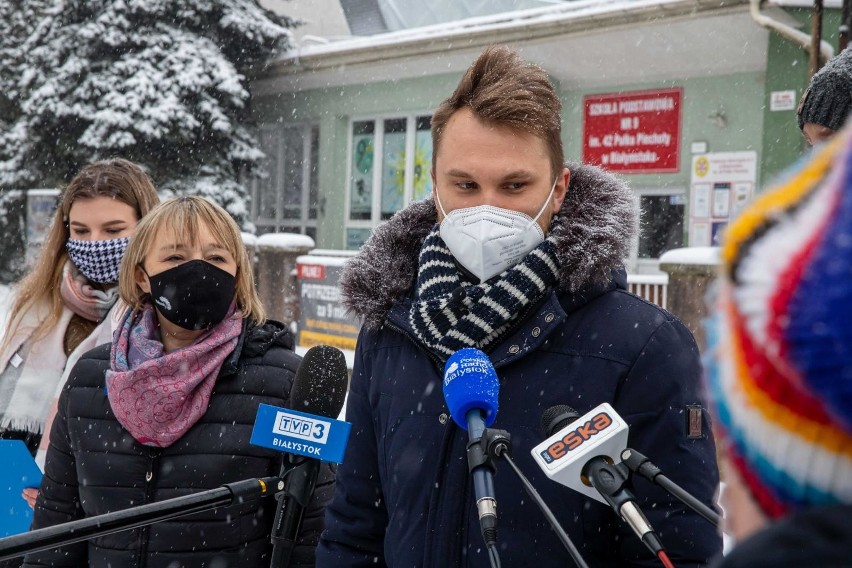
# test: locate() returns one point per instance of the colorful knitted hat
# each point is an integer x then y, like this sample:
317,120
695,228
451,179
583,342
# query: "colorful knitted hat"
780,371
828,98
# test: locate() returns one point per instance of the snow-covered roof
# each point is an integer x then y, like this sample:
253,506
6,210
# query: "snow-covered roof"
584,13
334,252
285,241
322,260
707,256
582,44
49,192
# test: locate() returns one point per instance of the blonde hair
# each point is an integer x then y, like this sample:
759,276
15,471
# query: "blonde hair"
183,217
117,178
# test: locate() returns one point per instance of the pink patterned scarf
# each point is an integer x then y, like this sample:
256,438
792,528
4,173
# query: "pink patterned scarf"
158,396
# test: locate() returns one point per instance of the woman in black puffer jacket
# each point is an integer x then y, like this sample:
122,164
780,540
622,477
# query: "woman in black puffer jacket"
168,408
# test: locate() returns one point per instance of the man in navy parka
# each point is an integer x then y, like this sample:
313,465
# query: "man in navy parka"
521,257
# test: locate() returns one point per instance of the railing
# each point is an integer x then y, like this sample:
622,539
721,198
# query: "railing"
652,287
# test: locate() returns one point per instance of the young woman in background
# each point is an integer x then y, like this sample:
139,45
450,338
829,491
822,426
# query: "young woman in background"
67,304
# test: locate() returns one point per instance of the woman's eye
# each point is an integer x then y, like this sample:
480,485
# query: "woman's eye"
174,258
80,232
115,231
216,258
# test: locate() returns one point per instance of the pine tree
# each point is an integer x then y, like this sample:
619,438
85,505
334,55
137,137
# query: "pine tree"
21,21
159,82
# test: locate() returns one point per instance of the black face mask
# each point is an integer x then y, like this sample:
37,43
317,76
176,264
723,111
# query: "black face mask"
194,295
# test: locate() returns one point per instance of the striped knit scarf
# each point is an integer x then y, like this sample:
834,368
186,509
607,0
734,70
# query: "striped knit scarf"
450,313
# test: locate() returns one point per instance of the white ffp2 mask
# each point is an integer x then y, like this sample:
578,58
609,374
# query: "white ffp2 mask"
487,240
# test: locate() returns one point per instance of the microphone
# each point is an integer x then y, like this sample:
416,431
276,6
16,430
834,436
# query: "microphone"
573,441
585,454
470,391
306,429
641,465
319,386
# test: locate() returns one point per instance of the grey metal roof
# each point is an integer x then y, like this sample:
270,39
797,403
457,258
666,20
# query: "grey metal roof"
368,17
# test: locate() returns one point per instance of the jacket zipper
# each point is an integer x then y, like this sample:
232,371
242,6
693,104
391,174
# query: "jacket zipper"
154,455
520,320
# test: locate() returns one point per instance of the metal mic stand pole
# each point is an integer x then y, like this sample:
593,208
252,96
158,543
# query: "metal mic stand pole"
134,517
497,444
641,465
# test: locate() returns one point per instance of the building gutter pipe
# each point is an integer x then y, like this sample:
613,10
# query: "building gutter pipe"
792,34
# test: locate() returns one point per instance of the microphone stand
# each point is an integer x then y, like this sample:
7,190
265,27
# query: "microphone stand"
497,444
641,465
134,517
479,462
611,482
298,479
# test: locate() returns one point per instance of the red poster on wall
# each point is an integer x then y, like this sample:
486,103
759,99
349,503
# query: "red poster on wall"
635,132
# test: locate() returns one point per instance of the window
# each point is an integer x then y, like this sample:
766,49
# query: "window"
383,182
662,224
662,217
287,201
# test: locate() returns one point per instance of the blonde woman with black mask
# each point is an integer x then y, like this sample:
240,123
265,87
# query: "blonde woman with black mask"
168,408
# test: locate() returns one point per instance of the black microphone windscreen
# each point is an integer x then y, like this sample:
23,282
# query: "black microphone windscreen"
556,418
320,383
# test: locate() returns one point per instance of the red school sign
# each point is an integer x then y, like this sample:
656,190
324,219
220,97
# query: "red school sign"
637,132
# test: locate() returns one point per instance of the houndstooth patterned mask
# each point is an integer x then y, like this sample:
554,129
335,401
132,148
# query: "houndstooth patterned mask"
98,260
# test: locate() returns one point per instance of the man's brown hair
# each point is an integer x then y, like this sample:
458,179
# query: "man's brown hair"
502,89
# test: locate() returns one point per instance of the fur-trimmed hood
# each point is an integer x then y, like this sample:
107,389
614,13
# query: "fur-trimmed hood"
599,219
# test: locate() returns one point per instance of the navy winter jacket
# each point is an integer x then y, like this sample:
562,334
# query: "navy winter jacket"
404,496
94,466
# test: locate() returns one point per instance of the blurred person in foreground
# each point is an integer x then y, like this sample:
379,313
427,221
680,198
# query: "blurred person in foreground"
551,310
780,372
67,304
827,101
167,409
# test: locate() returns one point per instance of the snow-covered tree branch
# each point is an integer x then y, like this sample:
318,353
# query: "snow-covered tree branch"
160,82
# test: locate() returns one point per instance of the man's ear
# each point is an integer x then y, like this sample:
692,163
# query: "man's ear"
561,189
142,279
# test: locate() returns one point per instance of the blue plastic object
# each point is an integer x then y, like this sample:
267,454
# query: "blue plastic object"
470,382
18,472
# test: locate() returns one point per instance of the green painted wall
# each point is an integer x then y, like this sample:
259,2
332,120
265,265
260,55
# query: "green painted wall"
332,108
743,98
740,96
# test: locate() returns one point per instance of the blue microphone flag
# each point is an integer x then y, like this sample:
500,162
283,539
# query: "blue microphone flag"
295,432
470,382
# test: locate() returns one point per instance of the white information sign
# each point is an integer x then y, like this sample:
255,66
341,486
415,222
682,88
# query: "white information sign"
782,100
721,185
